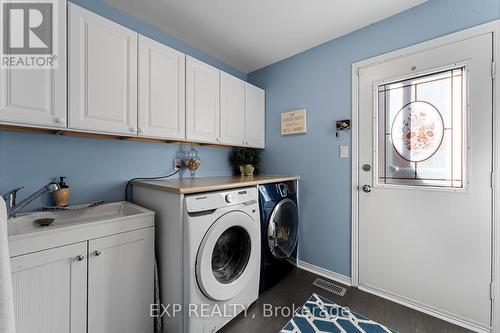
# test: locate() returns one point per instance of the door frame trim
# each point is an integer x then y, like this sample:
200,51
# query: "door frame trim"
357,70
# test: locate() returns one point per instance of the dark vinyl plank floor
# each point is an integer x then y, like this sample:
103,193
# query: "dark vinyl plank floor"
296,289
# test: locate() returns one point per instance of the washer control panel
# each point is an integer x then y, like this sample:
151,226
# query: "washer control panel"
229,198
214,200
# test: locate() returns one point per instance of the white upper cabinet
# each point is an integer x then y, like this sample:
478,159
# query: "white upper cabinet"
36,97
110,80
255,118
102,74
202,102
232,110
162,96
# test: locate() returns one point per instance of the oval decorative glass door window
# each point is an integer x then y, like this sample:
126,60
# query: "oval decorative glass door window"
417,131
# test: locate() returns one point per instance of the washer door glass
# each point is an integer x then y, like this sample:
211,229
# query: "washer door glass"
229,256
282,233
231,253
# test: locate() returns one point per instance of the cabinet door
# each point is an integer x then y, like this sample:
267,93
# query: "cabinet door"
202,101
36,97
255,120
121,283
161,91
50,290
102,74
232,110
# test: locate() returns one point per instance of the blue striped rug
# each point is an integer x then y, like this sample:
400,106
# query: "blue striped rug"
322,315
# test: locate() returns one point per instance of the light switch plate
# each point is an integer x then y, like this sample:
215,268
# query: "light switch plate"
344,151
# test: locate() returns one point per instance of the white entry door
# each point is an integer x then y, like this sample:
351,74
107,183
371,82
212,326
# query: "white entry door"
425,165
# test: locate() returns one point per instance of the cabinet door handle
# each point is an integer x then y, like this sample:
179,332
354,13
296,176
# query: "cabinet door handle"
97,253
80,258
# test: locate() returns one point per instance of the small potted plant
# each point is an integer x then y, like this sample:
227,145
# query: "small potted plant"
246,159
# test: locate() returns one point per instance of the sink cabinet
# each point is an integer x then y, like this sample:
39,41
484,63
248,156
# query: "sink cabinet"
121,275
96,276
50,290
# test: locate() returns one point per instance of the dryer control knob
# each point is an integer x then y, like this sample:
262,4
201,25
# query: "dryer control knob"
229,198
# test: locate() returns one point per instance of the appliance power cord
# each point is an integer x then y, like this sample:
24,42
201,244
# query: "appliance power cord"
148,178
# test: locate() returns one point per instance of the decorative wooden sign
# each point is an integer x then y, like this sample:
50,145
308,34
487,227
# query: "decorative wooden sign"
293,122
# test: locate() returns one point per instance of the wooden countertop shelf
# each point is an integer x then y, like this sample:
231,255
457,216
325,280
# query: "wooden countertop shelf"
208,184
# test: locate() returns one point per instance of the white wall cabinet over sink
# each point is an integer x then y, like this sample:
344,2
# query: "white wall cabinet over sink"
202,101
161,91
102,87
36,97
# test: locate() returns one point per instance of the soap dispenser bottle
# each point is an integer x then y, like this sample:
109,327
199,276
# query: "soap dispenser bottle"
61,196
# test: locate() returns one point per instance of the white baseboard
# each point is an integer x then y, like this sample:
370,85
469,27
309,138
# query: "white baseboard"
345,280
462,322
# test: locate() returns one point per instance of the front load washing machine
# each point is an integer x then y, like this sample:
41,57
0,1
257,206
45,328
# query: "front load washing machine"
222,257
279,231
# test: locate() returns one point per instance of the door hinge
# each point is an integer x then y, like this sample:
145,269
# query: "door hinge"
493,69
492,291
493,180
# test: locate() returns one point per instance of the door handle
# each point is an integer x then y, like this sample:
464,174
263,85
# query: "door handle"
366,188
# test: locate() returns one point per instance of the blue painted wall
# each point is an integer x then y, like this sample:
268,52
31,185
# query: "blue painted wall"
319,79
98,169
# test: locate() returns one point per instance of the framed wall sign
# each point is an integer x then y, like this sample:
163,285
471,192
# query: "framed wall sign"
294,122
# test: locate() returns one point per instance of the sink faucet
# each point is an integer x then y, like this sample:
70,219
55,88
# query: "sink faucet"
10,198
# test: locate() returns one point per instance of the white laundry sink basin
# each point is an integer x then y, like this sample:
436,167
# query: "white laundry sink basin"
74,226
28,223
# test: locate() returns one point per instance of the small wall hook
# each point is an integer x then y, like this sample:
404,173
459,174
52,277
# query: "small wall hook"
342,125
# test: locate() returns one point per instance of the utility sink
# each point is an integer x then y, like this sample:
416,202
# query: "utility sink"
30,222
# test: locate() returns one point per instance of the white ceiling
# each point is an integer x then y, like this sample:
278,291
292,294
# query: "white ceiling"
251,34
